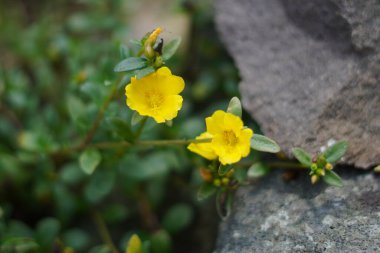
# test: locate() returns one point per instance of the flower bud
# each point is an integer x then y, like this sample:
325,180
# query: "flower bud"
321,172
225,180
328,166
217,182
206,174
230,173
314,167
314,179
321,161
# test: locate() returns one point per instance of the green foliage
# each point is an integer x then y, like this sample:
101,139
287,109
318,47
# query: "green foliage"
262,143
62,109
302,156
333,179
258,170
205,191
46,232
177,218
234,107
132,63
89,160
170,48
336,151
161,242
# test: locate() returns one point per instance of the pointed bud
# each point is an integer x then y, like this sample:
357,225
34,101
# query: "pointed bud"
321,172
314,179
314,167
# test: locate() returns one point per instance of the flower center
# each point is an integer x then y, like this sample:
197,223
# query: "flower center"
154,99
230,138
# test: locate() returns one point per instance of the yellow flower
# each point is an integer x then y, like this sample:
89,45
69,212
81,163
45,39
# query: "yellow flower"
204,149
156,95
230,139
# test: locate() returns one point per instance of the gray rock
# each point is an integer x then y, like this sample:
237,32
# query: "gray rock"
274,216
310,70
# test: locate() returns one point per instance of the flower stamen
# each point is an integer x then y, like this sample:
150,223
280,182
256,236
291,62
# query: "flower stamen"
230,138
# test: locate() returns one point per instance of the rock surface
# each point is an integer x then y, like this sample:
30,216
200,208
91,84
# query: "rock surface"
310,70
274,216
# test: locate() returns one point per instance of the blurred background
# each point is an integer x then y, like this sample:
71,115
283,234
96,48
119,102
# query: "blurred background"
56,64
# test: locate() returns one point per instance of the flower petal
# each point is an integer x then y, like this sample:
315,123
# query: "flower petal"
203,149
215,123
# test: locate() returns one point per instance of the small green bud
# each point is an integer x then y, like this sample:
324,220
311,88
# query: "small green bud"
148,51
321,161
217,182
314,167
225,180
321,172
158,62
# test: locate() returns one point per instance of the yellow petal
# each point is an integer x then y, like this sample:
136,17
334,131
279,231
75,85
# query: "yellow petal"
233,123
215,123
164,71
245,141
171,106
203,149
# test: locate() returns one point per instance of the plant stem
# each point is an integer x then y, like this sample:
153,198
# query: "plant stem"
103,232
141,128
171,142
100,115
147,215
286,165
108,145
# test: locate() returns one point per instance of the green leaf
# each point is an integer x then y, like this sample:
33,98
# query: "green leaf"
205,191
99,186
136,118
224,200
223,169
240,174
89,160
144,72
115,213
264,144
71,174
170,48
333,179
121,128
336,151
234,107
101,249
76,108
161,242
134,245
258,170
19,245
76,239
47,231
302,156
177,218
129,64
124,51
